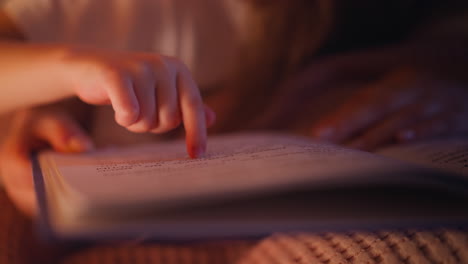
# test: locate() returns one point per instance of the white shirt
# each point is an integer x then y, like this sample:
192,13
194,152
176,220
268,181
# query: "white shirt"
204,34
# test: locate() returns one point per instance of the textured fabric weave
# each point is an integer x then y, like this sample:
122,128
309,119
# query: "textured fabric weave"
389,247
19,245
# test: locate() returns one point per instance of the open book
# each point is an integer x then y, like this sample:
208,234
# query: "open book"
249,185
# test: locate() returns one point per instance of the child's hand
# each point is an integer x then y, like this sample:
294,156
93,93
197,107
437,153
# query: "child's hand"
31,130
149,92
402,107
399,94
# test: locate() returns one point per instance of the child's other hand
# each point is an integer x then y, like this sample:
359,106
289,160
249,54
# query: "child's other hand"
403,93
402,107
149,92
31,130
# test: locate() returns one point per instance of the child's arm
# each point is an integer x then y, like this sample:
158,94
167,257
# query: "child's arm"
18,63
149,92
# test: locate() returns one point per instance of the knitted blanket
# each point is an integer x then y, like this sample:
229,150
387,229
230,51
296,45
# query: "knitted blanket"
20,244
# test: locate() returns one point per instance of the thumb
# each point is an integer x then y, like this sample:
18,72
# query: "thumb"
62,133
56,129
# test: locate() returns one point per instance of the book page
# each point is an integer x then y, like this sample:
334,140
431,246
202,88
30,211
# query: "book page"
446,154
235,166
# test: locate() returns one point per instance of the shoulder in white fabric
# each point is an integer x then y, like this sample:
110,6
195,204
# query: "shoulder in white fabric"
204,34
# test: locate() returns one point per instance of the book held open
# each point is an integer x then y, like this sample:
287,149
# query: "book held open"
249,185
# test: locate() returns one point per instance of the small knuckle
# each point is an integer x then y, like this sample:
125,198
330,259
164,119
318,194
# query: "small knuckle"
161,129
140,127
155,60
161,71
135,129
127,115
171,121
168,122
177,62
131,111
145,69
145,125
165,68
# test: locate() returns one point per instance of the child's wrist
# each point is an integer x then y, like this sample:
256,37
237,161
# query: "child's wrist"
59,70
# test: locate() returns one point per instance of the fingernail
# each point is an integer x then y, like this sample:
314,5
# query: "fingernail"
76,144
406,135
199,152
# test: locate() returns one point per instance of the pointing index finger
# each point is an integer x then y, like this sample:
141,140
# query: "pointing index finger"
193,114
